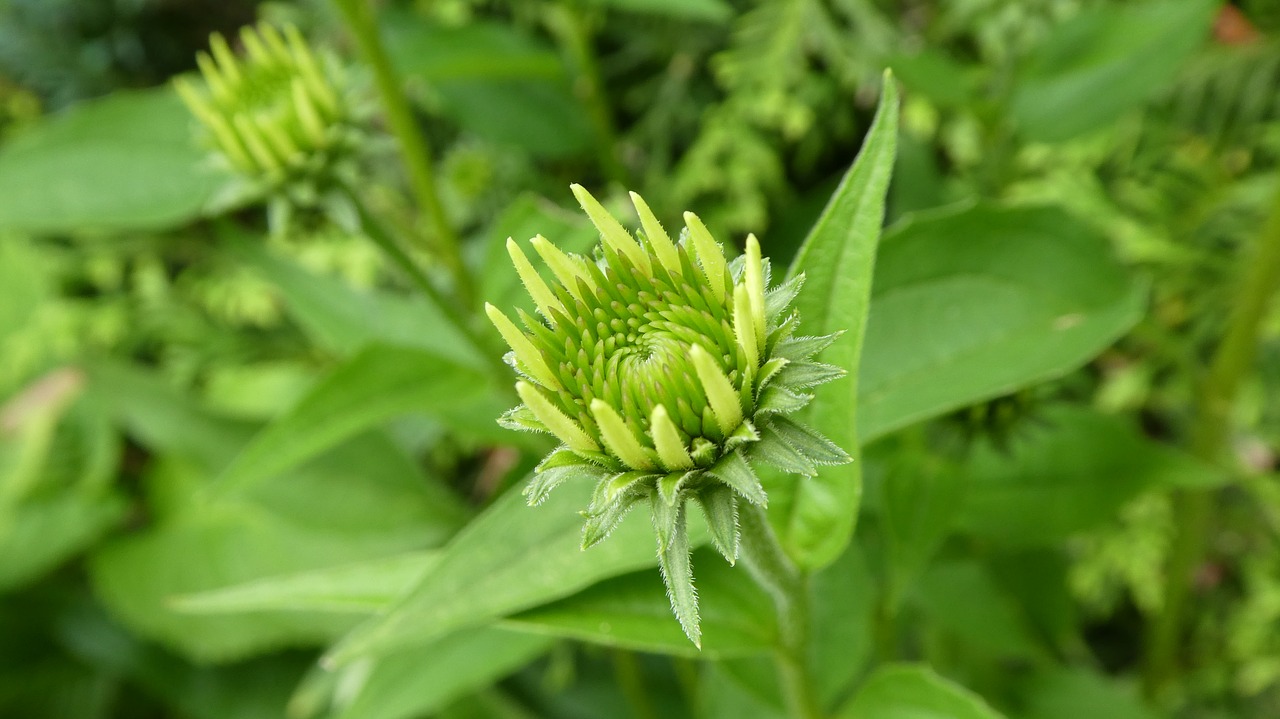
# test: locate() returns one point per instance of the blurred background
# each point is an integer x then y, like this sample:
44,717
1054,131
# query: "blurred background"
149,326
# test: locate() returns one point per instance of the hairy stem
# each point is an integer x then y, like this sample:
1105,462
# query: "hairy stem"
789,587
413,143
1194,509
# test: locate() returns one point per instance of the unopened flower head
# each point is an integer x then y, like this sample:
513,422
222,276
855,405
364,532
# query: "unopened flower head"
278,115
666,371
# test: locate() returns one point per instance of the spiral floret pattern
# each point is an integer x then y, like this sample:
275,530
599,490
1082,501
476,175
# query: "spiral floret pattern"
277,115
666,371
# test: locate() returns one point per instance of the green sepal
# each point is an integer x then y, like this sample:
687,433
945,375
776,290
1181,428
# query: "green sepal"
770,369
720,507
677,575
702,451
545,480
781,333
669,486
599,526
780,298
522,419
775,450
664,518
798,349
734,470
611,488
809,374
808,442
777,399
745,434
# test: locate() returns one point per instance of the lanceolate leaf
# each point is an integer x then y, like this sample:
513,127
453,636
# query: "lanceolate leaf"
837,260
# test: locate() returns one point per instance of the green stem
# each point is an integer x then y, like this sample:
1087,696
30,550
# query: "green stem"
789,587
413,143
573,32
1210,437
378,233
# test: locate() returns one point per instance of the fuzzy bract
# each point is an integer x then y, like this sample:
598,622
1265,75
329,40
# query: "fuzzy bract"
667,372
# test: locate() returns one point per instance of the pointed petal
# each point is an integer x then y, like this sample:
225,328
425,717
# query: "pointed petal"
658,238
612,232
666,439
744,326
721,395
754,281
619,438
542,295
568,270
710,255
677,574
526,352
556,421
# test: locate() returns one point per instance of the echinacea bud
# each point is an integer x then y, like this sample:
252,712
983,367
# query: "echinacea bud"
666,371
276,115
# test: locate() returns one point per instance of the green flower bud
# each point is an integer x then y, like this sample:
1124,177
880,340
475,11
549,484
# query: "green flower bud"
277,116
666,371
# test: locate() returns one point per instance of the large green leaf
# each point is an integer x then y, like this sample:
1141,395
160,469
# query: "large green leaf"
510,558
1107,60
634,612
908,691
36,535
837,259
378,384
974,303
419,681
121,163
1068,473
961,599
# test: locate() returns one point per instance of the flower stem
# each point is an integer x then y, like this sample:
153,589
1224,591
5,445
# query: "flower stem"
378,233
413,143
789,588
1210,440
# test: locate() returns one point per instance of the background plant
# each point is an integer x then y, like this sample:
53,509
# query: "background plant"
254,471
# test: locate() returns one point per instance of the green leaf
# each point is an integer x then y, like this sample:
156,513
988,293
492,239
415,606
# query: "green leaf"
378,384
126,162
975,303
707,10
1107,60
420,681
1072,693
962,599
365,587
24,284
345,320
633,612
910,691
1069,473
509,559
837,259
37,535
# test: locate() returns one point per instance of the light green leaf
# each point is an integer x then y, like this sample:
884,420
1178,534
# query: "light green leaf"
1071,471
837,259
1073,693
35,536
24,283
366,587
1107,60
126,162
633,612
910,691
378,384
344,319
509,559
420,681
975,303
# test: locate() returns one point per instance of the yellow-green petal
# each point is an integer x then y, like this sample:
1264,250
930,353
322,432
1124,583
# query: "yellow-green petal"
619,438
721,395
526,353
657,237
554,420
754,280
612,232
666,439
710,255
542,295
568,270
